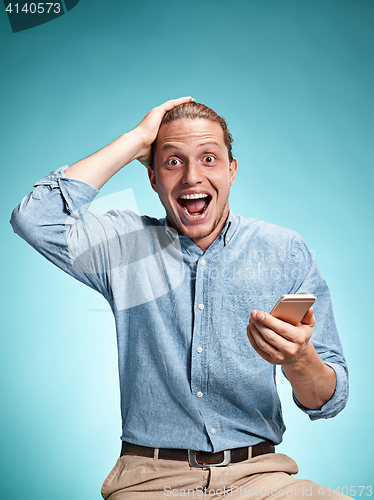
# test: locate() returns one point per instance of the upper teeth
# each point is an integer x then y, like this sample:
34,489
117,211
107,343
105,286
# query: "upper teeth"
193,196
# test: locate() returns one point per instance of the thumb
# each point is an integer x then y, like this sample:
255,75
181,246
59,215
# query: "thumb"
309,318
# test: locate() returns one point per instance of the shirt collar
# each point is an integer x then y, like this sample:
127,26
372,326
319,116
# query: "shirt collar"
229,228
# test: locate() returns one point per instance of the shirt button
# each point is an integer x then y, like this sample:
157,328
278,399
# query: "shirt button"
212,430
203,262
199,350
199,394
201,307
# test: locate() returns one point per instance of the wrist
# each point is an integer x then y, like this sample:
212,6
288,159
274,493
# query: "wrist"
140,146
313,381
306,359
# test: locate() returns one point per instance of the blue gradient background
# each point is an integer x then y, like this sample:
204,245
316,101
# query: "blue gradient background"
295,81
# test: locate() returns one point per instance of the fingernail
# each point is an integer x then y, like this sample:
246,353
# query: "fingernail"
261,317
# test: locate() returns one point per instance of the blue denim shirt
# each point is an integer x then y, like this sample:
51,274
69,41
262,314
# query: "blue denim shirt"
189,377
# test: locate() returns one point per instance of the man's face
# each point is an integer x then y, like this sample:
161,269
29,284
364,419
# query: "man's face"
192,176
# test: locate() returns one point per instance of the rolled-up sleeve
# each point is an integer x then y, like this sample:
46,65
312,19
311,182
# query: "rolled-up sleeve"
325,337
53,219
338,400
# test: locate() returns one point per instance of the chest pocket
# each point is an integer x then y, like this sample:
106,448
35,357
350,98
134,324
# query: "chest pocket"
235,313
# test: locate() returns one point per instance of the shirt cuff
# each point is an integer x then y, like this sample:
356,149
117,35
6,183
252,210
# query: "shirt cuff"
337,401
77,194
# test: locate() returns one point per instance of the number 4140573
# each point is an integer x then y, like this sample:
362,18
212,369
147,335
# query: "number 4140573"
34,8
352,491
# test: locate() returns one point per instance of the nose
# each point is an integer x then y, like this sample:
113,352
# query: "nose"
192,174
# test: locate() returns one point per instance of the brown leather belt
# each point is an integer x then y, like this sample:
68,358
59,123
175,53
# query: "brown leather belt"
200,458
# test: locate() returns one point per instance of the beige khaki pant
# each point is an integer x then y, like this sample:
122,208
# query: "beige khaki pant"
265,476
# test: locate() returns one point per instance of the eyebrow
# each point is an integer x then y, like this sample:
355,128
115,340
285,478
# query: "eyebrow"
208,143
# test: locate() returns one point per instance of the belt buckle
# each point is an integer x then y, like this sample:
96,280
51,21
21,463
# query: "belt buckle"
194,463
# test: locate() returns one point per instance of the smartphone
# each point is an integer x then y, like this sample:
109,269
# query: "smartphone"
293,307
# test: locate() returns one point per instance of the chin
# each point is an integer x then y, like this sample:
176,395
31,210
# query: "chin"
196,233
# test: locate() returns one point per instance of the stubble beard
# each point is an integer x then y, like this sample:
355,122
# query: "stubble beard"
199,235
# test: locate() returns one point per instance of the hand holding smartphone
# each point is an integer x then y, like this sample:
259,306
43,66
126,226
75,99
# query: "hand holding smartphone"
293,307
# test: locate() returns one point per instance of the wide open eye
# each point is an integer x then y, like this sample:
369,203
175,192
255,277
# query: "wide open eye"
208,159
174,162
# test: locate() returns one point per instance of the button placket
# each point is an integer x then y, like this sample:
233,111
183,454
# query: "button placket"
198,361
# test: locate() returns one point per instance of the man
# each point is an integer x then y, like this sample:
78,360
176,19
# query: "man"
191,296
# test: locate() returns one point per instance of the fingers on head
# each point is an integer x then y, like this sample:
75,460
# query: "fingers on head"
176,102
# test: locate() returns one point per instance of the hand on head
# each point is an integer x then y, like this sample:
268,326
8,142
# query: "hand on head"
148,128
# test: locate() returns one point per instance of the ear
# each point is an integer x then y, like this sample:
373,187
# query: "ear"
233,170
152,179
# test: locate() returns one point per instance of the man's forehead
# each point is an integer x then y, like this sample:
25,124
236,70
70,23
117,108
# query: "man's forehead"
186,130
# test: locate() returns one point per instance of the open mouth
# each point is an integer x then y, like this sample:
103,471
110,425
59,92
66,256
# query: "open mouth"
194,204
